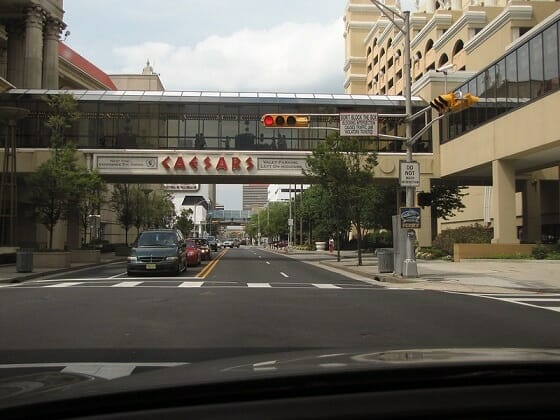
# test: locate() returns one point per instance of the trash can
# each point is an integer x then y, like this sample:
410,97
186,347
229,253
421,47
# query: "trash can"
24,261
385,262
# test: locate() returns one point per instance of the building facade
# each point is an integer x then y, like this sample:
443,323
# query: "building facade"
505,149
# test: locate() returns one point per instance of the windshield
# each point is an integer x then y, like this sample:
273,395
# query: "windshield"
347,191
148,239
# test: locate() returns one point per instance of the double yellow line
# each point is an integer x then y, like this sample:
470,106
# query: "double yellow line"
206,270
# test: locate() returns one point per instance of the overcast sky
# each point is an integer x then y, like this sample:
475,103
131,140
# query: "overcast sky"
240,45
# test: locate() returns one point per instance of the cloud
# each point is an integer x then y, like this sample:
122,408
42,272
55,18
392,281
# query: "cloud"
288,57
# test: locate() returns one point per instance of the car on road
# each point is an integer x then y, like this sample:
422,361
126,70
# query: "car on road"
158,251
205,251
228,243
212,242
236,242
194,256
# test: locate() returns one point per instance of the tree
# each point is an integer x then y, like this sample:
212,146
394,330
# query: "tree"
161,211
184,222
121,204
90,187
344,168
446,200
54,186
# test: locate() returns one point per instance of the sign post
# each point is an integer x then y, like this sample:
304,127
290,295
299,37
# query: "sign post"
409,173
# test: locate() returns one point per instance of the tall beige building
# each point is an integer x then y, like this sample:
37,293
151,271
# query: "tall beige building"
506,148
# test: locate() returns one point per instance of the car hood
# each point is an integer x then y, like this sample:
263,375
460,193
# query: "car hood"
155,251
46,386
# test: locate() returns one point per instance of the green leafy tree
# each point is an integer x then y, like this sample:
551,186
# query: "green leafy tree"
161,211
90,189
184,222
344,168
55,185
121,203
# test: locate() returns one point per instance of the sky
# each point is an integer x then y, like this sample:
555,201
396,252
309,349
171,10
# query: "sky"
216,45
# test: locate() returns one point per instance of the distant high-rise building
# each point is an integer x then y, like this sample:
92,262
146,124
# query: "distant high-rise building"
254,195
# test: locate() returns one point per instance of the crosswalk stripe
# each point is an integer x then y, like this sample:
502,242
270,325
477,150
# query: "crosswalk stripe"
325,286
258,285
65,284
127,284
191,284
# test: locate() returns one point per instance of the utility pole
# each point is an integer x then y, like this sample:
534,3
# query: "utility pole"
409,266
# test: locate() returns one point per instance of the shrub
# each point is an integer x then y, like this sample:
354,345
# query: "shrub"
475,234
539,252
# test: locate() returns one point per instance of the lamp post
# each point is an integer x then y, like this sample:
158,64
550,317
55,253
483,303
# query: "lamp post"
409,267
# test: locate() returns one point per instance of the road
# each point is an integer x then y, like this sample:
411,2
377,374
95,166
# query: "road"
246,301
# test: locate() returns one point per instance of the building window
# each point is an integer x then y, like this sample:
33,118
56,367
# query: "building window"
551,59
442,60
536,66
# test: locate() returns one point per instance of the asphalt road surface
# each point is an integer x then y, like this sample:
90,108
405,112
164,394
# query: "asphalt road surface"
246,301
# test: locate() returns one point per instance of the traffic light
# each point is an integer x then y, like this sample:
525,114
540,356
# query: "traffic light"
285,120
444,103
465,101
424,199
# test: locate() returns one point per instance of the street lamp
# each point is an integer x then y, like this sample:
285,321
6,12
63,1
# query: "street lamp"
445,69
409,267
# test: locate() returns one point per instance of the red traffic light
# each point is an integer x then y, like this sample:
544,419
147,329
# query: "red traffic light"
285,120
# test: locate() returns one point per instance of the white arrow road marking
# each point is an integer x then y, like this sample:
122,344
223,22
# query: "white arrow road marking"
284,274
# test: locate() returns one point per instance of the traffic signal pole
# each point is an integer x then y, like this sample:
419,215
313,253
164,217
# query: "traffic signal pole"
409,266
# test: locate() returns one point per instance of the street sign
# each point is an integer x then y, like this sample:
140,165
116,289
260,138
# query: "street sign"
358,124
409,174
410,217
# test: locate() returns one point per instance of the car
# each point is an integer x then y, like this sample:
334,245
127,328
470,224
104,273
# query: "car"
236,242
205,251
194,256
228,243
158,251
212,242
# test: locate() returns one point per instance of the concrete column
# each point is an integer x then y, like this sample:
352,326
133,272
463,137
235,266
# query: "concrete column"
53,27
503,203
532,211
33,64
16,47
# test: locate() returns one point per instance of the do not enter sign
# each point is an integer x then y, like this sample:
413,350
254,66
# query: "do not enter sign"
409,174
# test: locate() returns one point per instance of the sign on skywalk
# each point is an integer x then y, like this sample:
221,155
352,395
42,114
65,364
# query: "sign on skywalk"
358,124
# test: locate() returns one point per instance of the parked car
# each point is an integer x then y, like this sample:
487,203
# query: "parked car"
205,252
194,256
158,251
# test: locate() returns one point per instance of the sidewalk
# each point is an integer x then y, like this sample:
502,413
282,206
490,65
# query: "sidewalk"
9,274
473,276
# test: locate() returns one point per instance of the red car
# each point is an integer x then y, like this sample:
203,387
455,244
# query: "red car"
194,256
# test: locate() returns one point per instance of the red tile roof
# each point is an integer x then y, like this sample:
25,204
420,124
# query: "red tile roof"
87,67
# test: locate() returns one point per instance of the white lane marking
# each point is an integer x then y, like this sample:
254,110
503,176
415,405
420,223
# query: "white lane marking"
552,308
65,284
258,285
325,286
127,284
524,299
284,274
268,262
117,275
191,284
